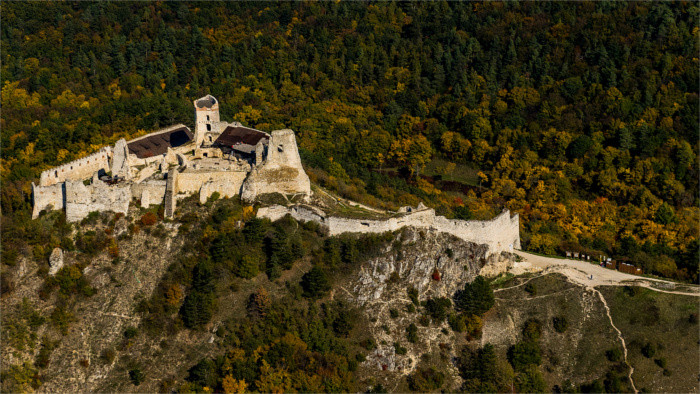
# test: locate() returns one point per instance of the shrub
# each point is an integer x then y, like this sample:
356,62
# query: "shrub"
393,313
424,380
400,349
413,295
661,362
198,308
108,355
136,376
532,330
532,381
649,350
149,219
315,283
531,288
560,324
523,354
476,298
457,322
412,333
249,267
130,332
614,354
438,308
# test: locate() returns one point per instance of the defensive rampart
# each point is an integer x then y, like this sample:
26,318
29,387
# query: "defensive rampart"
500,234
79,169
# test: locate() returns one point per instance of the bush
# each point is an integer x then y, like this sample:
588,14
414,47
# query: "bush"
531,288
661,362
438,308
413,295
614,354
315,283
249,267
393,313
399,349
425,380
523,354
136,376
560,324
476,298
130,332
649,350
198,308
532,330
412,333
531,381
149,219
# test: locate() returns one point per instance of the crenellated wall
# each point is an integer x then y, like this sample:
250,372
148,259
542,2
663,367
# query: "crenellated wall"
79,169
500,234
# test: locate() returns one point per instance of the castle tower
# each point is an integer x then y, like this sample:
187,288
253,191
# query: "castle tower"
206,118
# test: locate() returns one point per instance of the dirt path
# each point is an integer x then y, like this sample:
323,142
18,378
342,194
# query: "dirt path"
591,275
619,335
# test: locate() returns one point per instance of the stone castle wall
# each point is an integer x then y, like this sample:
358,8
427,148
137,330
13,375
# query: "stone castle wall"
79,169
50,197
501,234
82,199
150,192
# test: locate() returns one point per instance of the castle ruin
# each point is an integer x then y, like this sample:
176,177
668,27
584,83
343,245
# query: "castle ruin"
170,164
232,160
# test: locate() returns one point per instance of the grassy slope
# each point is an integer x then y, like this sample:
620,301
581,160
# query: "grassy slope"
645,316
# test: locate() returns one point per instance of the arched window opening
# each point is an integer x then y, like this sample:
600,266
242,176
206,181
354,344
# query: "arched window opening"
208,127
207,117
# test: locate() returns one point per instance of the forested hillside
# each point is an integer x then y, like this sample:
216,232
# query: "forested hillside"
581,117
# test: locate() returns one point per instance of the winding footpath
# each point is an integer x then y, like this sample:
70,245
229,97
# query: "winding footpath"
590,276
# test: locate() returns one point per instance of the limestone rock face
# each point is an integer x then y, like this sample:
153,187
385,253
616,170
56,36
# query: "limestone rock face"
436,265
56,261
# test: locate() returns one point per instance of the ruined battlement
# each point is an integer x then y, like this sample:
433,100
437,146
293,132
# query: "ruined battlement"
78,169
501,234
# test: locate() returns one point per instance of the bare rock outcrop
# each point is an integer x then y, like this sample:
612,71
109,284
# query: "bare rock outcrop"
55,261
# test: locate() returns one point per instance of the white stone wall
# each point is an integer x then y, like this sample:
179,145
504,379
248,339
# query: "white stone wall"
82,199
227,184
78,169
151,192
47,197
500,234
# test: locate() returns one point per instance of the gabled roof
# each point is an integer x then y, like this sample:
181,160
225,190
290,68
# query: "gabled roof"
236,135
157,143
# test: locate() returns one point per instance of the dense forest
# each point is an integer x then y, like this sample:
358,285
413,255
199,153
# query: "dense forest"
581,117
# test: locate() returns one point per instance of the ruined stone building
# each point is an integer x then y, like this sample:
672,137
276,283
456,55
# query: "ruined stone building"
173,163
